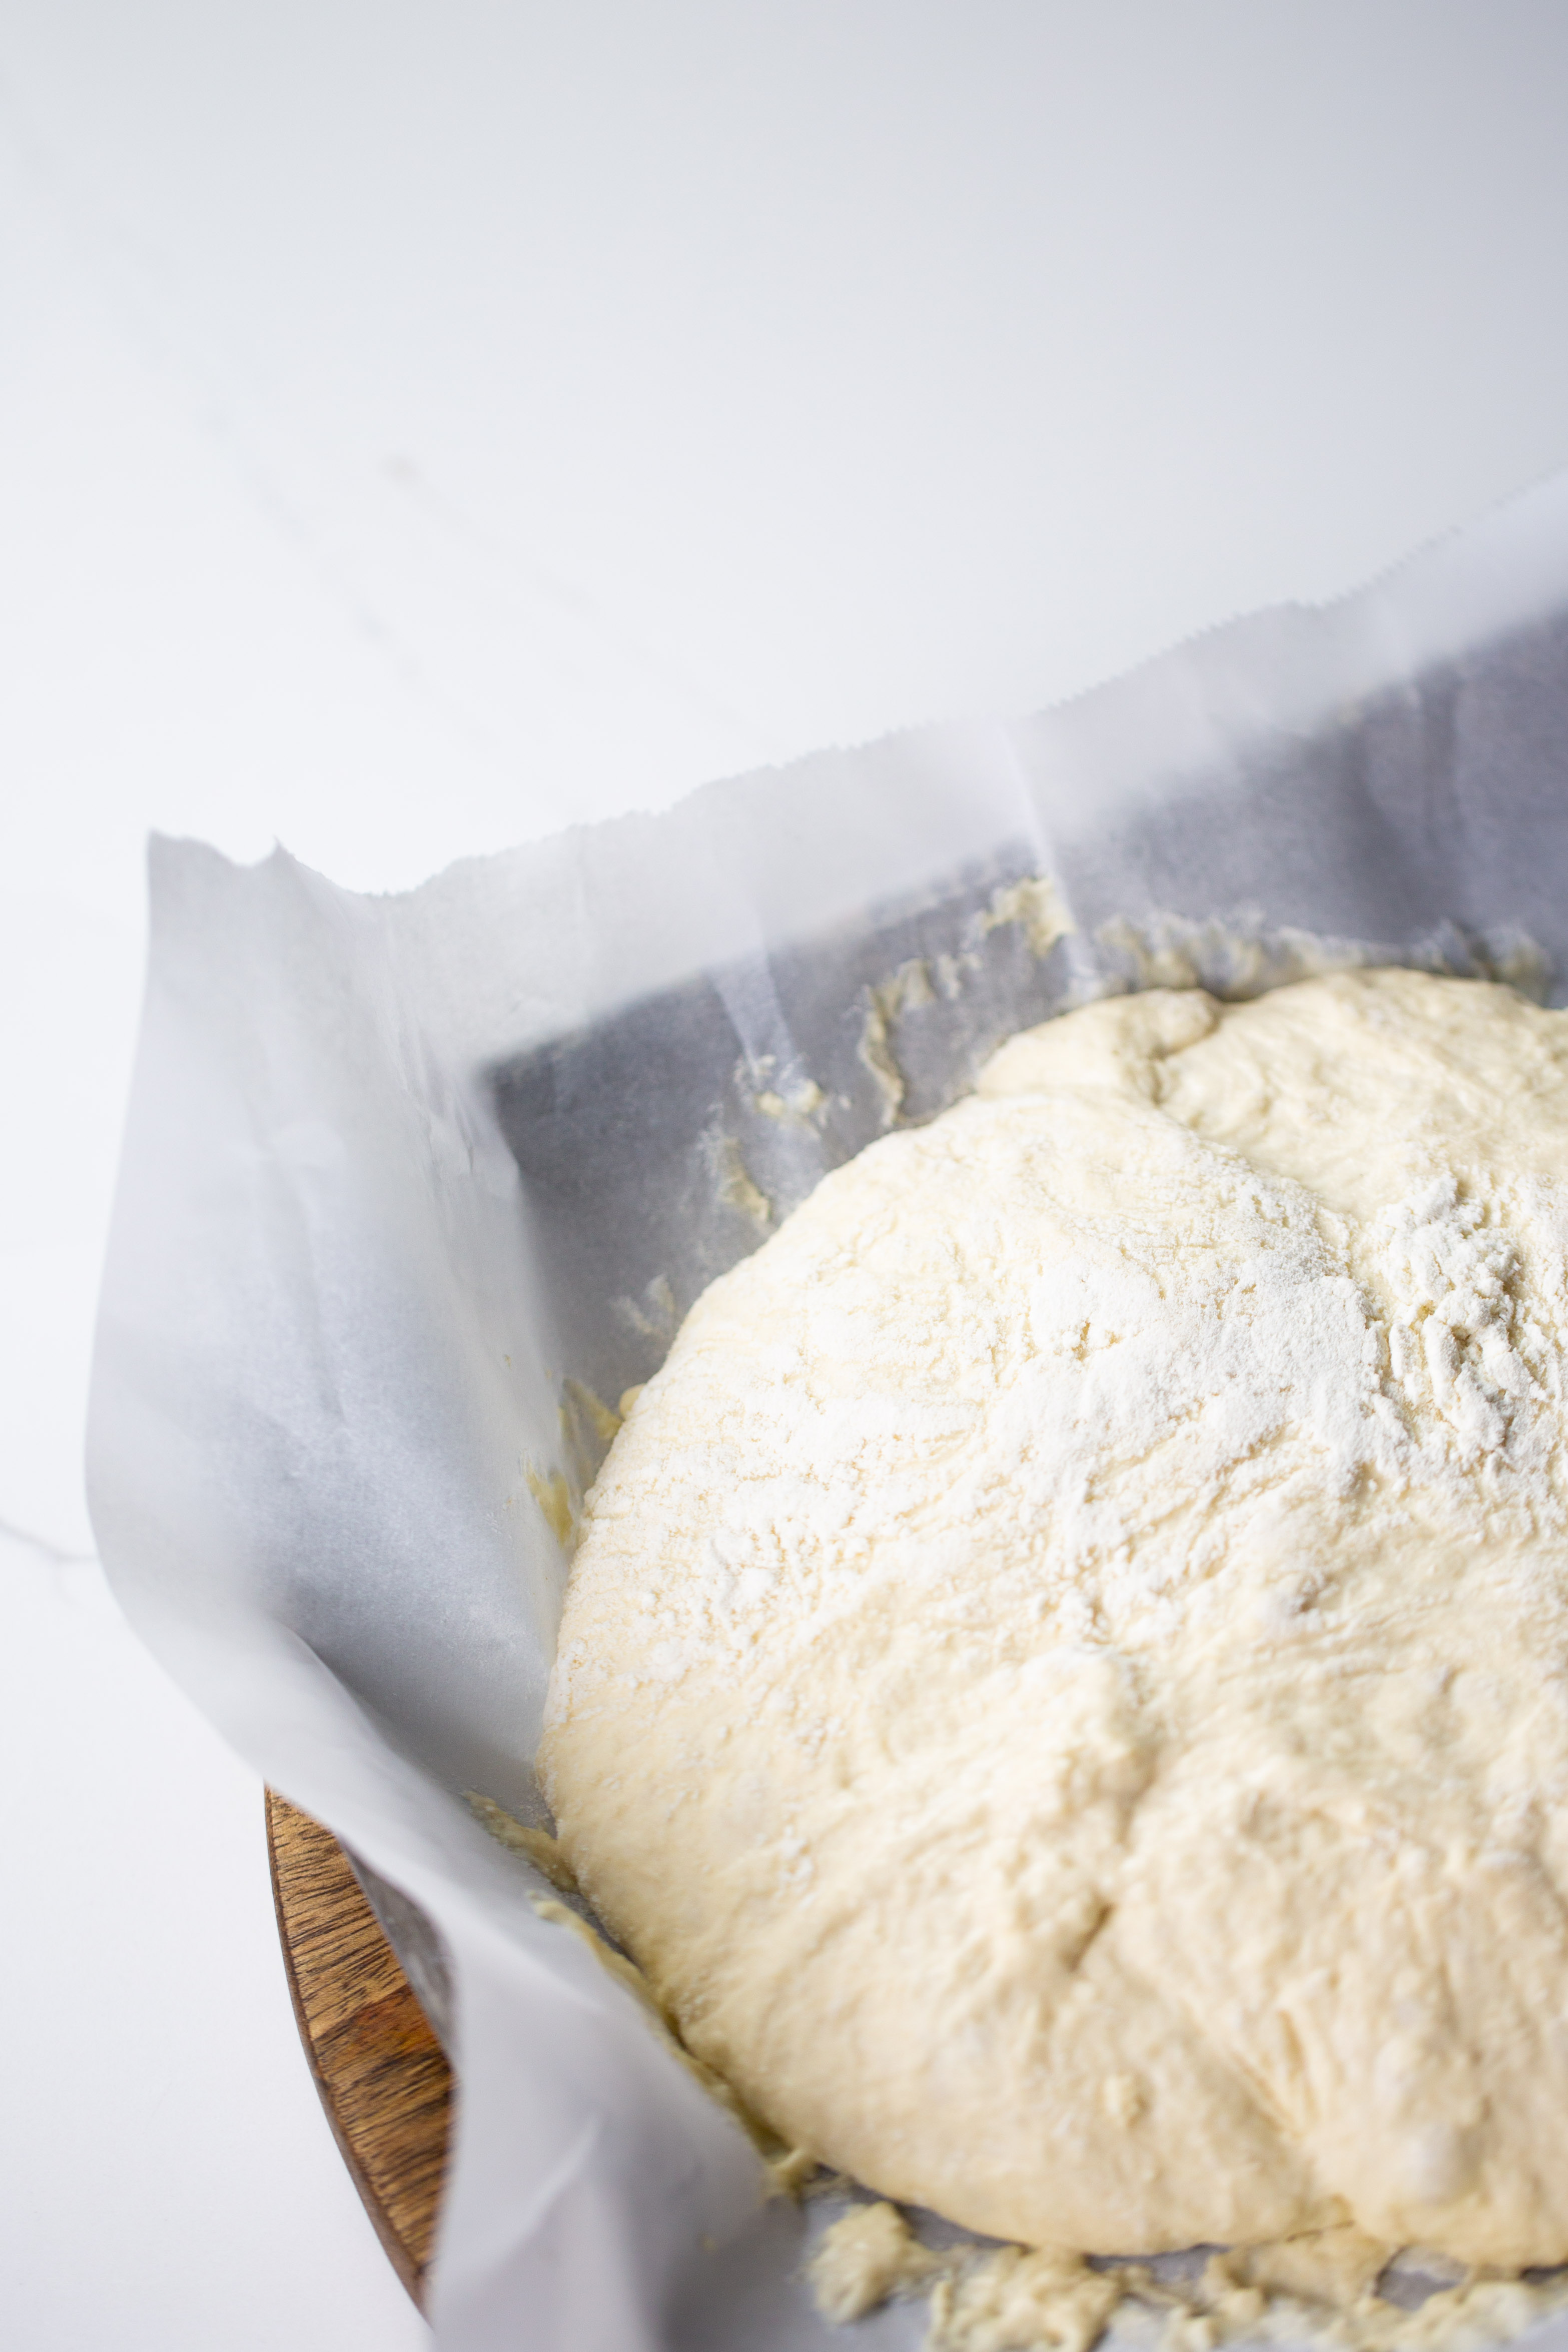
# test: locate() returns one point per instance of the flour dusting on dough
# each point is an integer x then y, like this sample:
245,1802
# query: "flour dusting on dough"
1064,1684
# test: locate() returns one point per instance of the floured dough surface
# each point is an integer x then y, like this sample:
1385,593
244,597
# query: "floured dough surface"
1065,1685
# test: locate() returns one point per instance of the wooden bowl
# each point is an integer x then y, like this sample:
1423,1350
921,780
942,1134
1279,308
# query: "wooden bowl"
382,2076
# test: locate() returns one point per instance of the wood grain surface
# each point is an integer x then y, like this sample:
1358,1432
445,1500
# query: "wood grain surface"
382,2077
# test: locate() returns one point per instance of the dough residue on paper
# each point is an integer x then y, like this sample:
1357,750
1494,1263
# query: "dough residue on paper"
1064,1688
787,2169
535,1845
553,1497
1321,2289
732,1181
907,989
869,2255
797,1105
1036,903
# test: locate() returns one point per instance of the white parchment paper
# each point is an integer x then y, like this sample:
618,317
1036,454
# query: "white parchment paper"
406,1178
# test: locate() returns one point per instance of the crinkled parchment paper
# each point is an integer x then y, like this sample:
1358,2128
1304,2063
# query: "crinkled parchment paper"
411,1184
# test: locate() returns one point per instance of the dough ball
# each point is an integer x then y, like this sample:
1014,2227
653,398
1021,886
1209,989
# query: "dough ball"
1063,1687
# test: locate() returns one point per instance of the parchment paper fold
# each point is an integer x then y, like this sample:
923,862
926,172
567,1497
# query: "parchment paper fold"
411,1185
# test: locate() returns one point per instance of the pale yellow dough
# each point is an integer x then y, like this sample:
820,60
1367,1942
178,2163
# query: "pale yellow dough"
1063,1688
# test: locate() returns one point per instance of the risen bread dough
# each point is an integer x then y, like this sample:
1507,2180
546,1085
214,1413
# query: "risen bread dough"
1063,1688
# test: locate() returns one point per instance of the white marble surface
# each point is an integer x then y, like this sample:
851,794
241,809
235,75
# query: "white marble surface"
422,428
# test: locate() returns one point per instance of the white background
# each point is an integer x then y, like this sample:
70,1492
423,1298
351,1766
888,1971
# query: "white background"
422,427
